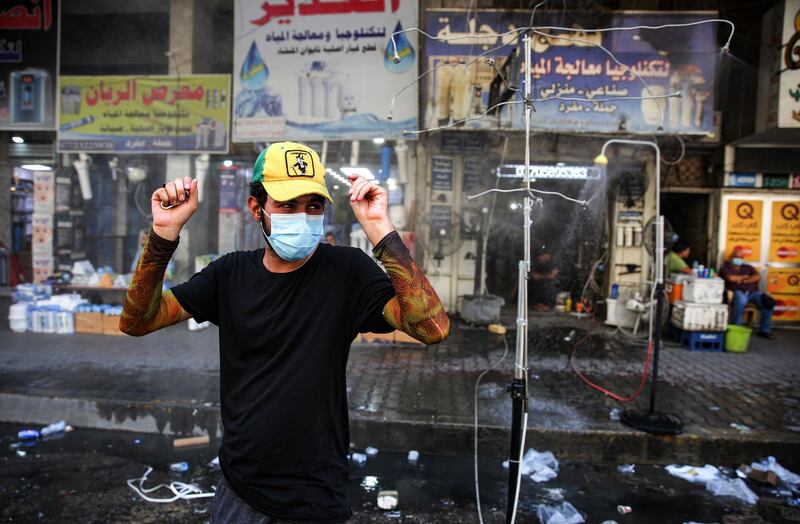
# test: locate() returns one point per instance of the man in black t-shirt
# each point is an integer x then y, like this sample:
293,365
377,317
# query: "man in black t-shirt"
287,315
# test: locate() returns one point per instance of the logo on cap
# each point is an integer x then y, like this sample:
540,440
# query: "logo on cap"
299,163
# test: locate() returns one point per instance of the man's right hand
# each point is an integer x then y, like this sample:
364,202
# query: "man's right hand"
167,223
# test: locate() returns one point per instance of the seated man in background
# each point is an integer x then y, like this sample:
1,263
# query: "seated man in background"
330,238
543,281
743,279
676,259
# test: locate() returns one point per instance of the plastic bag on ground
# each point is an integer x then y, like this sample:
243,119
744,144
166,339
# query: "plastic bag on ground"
732,488
770,464
694,474
715,481
564,513
540,466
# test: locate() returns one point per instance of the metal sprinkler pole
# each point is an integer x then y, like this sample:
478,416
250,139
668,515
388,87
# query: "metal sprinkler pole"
518,387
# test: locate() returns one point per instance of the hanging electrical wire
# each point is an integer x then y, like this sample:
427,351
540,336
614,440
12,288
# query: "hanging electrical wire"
680,157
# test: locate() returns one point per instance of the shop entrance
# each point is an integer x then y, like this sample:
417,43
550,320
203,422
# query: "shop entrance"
688,214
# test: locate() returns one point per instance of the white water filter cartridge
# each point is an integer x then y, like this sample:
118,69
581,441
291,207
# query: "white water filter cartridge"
332,88
317,97
303,94
82,167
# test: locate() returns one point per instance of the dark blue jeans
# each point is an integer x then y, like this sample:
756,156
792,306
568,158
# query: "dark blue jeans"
228,508
741,299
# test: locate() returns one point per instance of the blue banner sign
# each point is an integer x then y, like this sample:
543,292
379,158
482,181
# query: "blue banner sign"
645,81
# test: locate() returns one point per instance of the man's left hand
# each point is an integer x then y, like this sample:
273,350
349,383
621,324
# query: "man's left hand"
370,203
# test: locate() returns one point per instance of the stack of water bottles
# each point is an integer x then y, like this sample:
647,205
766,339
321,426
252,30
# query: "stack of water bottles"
35,309
700,317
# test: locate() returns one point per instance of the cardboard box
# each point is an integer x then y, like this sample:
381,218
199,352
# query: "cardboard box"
757,475
111,325
89,323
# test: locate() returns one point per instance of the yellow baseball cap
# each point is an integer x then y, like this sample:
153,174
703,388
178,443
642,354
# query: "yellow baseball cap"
288,170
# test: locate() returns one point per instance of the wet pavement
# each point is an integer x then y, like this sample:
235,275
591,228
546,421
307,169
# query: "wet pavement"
82,475
424,397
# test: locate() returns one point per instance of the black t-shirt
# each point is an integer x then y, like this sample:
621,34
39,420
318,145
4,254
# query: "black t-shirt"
284,339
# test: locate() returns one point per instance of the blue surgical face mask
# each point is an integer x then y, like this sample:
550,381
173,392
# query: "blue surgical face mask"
294,235
737,261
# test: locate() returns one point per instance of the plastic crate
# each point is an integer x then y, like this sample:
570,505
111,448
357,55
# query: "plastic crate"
702,340
690,316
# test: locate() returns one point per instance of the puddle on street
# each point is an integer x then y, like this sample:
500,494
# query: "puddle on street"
431,490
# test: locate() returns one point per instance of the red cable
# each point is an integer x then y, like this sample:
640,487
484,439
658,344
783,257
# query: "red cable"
603,390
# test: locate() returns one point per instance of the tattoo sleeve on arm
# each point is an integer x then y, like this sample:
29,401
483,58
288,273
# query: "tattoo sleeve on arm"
146,309
416,309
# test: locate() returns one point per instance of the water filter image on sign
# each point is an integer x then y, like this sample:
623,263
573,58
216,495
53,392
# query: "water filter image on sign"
255,97
30,97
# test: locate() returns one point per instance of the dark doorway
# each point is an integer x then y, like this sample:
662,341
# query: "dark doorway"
687,213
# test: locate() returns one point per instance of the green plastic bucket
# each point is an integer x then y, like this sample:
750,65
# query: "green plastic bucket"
737,338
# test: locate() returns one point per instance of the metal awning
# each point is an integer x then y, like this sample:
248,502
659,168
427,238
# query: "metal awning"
775,138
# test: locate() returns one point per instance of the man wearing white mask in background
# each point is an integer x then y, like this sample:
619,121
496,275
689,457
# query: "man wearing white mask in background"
742,279
287,314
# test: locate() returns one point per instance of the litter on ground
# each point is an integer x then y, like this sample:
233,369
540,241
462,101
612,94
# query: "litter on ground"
564,513
715,481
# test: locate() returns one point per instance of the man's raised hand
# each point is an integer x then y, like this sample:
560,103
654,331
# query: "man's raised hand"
167,223
370,203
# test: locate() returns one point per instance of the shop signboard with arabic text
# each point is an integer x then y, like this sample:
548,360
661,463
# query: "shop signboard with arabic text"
744,229
321,70
144,114
576,85
29,39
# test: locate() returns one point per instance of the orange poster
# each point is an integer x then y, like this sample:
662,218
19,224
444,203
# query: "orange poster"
785,281
784,243
787,308
744,228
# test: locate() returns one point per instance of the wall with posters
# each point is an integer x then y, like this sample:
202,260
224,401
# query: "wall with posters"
323,70
42,232
767,225
29,39
577,85
144,114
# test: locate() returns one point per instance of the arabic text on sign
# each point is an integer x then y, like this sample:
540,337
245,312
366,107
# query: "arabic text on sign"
317,7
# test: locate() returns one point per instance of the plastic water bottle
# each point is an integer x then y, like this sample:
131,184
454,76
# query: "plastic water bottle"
55,427
179,467
614,291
